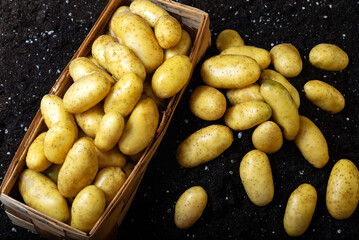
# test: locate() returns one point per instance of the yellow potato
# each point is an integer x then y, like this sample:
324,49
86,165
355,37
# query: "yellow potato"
148,10
58,141
204,145
109,131
228,38
325,96
171,76
140,128
328,57
245,94
111,158
342,195
286,60
87,208
128,168
89,121
267,137
121,60
311,143
285,112
245,115
40,193
86,93
207,103
95,62
182,48
139,37
148,92
124,95
190,206
83,66
110,180
79,169
230,71
168,31
53,172
261,55
35,157
299,210
256,176
273,75
98,48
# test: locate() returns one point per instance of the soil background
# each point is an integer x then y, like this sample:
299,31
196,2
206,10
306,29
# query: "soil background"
38,38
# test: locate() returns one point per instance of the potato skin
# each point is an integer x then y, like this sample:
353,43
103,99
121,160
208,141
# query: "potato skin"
245,94
79,169
204,145
111,158
87,208
230,71
168,31
86,93
228,38
300,209
245,115
256,176
148,10
182,48
325,96
40,193
328,57
207,103
98,49
312,143
190,206
171,76
286,60
285,112
267,137
342,194
89,120
35,157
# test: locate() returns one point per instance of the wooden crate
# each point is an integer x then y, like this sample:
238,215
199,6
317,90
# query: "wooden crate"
196,22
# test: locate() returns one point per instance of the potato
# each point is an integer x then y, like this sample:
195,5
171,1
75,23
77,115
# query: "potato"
230,71
171,76
245,94
245,115
168,31
228,38
139,37
204,145
256,176
52,172
87,208
342,194
95,62
110,180
41,193
285,112
148,10
286,60
261,55
121,60
35,157
109,131
311,143
82,66
98,48
128,168
299,210
58,141
182,48
273,75
148,92
124,95
207,103
267,137
328,57
79,169
86,93
190,206
111,158
324,96
89,121
140,128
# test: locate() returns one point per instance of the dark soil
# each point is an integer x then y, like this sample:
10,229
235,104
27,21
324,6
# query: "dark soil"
39,37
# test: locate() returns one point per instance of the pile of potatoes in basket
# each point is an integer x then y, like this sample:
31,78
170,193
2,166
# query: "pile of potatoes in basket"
265,99
107,117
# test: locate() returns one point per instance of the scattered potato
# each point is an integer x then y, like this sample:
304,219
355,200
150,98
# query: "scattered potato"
267,137
245,94
286,60
328,57
228,38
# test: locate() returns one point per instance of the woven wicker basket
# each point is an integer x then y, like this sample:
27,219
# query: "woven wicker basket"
196,22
